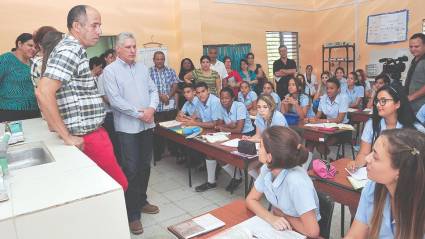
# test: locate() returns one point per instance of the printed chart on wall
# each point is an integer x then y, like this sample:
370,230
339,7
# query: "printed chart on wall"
145,55
387,28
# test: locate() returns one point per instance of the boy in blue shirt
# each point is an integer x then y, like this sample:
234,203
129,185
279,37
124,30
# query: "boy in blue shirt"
189,107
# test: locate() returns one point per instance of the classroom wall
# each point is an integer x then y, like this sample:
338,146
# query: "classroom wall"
144,18
339,24
185,25
224,23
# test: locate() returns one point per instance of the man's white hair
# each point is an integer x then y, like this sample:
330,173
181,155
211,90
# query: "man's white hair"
124,36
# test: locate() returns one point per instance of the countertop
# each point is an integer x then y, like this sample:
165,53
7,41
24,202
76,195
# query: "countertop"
71,177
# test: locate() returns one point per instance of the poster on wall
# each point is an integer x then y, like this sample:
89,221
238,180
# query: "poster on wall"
145,55
387,28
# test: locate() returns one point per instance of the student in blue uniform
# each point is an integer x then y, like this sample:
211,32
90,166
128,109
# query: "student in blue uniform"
247,96
206,115
190,105
380,81
334,106
391,110
285,184
355,93
340,76
207,111
188,112
267,116
296,101
234,118
268,89
392,204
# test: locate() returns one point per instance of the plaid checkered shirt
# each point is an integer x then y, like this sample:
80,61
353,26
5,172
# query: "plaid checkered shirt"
78,99
164,80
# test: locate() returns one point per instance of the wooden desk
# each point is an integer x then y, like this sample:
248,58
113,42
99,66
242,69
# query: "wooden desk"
359,116
314,134
231,214
211,150
339,188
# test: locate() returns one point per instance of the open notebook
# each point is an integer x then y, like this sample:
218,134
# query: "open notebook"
196,226
256,227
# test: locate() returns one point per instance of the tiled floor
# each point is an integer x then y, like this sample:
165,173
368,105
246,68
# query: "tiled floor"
169,189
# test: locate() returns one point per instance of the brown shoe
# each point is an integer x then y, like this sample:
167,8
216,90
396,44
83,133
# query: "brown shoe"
136,227
150,209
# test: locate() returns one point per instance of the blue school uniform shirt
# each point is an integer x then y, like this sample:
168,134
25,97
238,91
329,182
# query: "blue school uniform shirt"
209,111
421,114
277,119
237,112
292,191
303,101
276,99
250,97
367,134
190,107
356,92
331,109
343,84
365,210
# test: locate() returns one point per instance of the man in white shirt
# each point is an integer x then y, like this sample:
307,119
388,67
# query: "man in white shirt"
310,81
216,64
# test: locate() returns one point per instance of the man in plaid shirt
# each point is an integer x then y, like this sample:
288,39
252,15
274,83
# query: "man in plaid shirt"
68,95
166,81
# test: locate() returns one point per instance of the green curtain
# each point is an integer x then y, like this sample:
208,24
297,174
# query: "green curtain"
236,52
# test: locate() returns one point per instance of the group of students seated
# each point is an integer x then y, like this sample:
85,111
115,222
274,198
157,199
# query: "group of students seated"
394,157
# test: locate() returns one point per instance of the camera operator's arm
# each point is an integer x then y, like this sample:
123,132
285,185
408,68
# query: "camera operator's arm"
417,94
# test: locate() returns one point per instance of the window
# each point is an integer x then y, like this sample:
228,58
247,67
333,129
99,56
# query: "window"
104,43
274,40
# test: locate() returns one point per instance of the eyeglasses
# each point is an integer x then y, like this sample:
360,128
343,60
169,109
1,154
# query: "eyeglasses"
382,101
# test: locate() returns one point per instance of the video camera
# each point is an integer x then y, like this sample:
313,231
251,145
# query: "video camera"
394,67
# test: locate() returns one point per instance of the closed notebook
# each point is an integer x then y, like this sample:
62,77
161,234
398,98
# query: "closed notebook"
196,226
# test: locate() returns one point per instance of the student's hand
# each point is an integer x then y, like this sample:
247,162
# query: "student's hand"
189,122
312,120
181,114
245,137
280,223
292,101
352,167
218,128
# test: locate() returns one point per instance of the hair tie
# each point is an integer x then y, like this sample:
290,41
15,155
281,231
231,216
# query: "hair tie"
414,151
299,147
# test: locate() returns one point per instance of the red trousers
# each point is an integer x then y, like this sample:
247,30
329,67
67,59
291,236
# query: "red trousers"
98,147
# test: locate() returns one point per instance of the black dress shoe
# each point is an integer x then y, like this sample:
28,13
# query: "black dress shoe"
234,183
206,186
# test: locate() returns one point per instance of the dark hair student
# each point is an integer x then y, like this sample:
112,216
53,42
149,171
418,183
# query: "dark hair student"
285,146
295,204
392,203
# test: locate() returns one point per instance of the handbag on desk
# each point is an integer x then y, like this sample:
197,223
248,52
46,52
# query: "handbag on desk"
323,169
247,147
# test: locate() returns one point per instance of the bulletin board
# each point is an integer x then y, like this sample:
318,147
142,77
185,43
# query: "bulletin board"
387,28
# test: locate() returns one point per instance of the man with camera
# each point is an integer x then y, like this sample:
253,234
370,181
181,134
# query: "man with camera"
415,81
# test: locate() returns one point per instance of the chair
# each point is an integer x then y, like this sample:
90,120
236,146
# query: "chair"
326,210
